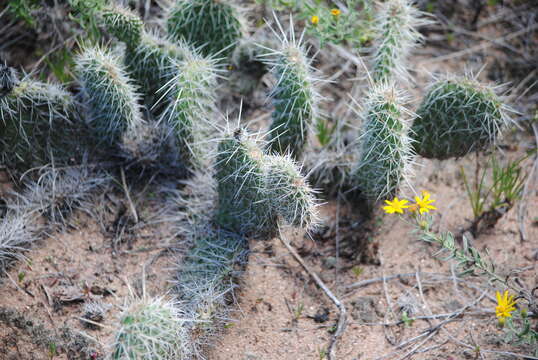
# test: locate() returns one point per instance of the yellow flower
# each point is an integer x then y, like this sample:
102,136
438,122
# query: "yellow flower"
423,204
395,206
335,12
315,20
505,306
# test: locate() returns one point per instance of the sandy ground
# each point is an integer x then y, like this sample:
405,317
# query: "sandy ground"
65,271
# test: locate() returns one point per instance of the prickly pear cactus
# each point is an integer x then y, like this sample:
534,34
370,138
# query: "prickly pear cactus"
291,197
122,23
243,205
111,98
457,116
385,151
190,95
154,63
397,22
38,124
294,100
213,26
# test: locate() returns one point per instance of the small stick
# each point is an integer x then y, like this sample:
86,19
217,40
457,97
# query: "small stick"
342,318
389,306
126,189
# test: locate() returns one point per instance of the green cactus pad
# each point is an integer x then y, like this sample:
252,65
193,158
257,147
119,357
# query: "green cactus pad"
38,125
122,23
457,116
243,205
396,21
190,98
211,25
150,329
153,63
110,96
291,197
294,100
385,152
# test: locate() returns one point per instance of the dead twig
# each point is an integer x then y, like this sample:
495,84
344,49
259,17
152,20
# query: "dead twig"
391,340
342,318
126,190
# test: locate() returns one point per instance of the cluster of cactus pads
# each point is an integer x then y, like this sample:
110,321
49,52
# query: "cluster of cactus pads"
156,92
457,116
250,194
151,99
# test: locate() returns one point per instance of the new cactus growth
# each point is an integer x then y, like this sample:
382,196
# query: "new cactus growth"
457,116
122,23
38,125
397,35
150,329
385,152
294,100
111,97
291,197
212,26
243,206
190,99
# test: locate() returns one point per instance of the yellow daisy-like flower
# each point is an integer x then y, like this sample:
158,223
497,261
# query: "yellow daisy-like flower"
395,206
423,205
314,20
505,306
335,12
